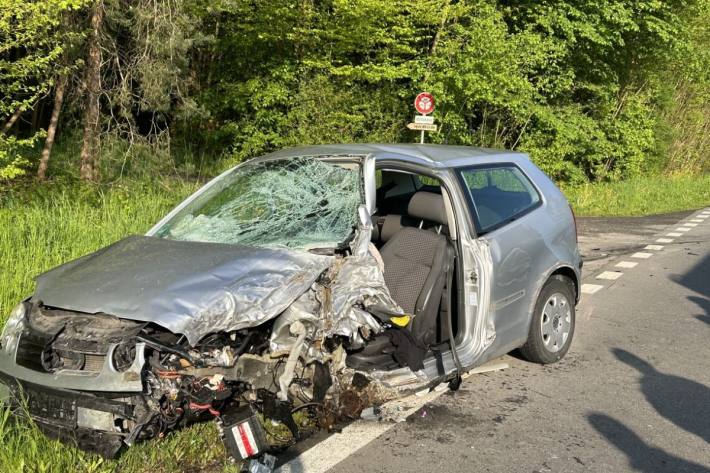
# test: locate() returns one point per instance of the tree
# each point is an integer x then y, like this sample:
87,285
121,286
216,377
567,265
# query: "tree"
29,50
59,90
92,85
33,41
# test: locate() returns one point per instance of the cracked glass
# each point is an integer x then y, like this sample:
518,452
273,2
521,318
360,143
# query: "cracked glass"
300,202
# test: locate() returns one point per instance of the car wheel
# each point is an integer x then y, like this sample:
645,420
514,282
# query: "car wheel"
553,322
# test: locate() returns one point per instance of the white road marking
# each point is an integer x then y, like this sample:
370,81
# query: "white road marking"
642,255
610,275
674,234
487,368
697,220
336,448
626,264
702,217
653,247
682,229
591,288
690,224
665,240
325,455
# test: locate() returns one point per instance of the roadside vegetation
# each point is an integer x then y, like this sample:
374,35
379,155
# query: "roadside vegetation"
593,91
643,195
112,111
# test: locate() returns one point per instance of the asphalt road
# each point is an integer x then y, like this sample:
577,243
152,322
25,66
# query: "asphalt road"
633,394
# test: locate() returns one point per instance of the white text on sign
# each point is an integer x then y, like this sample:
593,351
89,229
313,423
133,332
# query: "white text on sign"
421,126
425,119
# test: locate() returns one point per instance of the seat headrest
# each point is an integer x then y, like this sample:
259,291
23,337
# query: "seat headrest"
427,206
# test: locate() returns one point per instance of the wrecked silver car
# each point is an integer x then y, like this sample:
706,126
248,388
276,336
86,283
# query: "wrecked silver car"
324,279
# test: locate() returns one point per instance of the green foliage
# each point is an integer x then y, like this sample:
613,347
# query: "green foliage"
591,90
575,84
684,128
31,48
13,155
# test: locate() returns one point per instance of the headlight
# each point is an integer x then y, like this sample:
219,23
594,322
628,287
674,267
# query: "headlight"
13,327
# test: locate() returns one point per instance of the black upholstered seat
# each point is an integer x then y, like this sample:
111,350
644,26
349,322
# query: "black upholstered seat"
416,261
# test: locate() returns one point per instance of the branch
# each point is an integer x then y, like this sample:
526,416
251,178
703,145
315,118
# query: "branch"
11,121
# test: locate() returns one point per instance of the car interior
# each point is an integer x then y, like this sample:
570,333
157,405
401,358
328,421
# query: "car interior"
411,232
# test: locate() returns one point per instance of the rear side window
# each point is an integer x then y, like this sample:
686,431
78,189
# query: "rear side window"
499,193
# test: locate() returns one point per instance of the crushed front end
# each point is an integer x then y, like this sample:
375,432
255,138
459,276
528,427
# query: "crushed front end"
103,382
242,307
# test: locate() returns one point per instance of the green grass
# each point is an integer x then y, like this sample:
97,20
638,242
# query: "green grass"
640,196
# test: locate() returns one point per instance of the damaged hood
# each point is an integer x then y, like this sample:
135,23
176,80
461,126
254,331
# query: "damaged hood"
189,288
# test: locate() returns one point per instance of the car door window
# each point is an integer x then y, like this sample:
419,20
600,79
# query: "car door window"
499,194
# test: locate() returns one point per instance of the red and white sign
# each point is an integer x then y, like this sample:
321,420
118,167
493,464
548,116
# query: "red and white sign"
245,440
424,103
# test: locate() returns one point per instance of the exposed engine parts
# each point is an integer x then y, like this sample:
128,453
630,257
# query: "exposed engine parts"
240,378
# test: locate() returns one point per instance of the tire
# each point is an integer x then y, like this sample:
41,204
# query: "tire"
553,322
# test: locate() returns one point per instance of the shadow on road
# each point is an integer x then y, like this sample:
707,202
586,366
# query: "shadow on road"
698,280
704,304
641,456
682,401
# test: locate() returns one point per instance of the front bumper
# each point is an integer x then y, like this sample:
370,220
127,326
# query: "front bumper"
90,421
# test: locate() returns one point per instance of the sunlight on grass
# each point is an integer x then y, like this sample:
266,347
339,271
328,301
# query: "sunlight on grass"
640,196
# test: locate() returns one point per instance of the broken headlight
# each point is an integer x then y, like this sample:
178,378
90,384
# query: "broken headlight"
13,328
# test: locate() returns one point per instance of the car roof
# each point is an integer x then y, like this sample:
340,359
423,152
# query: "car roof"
429,155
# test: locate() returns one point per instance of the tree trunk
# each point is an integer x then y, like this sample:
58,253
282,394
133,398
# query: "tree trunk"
52,128
11,121
89,148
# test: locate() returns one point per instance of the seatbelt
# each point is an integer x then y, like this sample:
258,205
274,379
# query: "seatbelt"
455,383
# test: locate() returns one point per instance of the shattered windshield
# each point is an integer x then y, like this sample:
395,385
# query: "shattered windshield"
300,202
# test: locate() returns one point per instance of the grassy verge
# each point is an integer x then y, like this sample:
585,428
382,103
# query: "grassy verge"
640,196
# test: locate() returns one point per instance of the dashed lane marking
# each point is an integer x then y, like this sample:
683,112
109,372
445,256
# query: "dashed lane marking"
626,264
665,240
690,224
591,288
642,255
653,247
697,220
610,275
682,229
674,234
